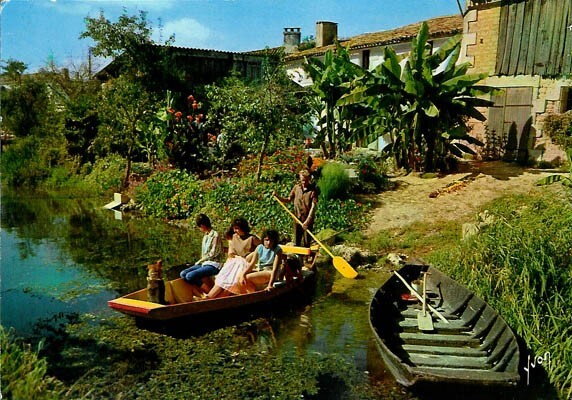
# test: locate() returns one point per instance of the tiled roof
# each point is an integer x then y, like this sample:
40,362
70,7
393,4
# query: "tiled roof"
438,27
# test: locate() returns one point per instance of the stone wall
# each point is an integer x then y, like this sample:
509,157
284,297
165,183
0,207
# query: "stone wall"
546,99
481,39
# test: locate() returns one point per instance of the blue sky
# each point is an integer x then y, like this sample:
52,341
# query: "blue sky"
35,31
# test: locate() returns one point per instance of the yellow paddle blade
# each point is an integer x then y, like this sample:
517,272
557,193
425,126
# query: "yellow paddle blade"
344,267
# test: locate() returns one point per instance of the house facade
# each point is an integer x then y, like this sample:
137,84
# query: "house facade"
526,48
365,50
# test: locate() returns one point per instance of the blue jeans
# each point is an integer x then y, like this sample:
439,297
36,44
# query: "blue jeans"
196,273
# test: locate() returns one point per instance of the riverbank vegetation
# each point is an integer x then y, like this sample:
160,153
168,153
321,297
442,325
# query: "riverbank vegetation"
521,264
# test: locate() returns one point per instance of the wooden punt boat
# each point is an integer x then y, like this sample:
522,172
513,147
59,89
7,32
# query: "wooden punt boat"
180,302
475,347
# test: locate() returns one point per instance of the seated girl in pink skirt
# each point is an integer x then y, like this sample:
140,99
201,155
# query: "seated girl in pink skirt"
237,277
240,246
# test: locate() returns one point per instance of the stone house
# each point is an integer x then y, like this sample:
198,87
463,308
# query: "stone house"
526,47
365,50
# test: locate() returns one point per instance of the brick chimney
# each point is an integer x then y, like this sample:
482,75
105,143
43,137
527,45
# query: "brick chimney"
291,39
326,33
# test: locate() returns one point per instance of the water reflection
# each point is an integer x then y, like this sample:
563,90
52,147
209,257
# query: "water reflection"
67,256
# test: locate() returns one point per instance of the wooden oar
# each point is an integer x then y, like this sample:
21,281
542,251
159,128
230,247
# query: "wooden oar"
424,320
408,286
341,265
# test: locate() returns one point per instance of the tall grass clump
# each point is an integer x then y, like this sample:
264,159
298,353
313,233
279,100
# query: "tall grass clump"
334,182
24,373
521,264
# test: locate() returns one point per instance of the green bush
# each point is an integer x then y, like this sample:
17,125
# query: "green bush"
559,128
371,169
173,194
334,182
24,373
22,165
107,173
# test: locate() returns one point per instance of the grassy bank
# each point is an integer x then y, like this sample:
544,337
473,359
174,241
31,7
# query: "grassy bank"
521,263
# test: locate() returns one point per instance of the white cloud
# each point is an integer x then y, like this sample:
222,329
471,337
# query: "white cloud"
188,33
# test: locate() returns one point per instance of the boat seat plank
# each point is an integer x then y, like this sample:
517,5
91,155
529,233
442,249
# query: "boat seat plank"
444,350
453,326
146,305
412,310
448,361
488,376
439,339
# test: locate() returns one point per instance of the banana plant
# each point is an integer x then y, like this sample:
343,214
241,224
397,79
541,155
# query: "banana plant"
440,96
423,102
331,78
565,180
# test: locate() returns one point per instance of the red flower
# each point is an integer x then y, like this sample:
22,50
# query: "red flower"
195,105
191,98
170,110
190,118
178,115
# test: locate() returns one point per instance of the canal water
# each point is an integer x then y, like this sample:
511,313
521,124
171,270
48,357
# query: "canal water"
63,258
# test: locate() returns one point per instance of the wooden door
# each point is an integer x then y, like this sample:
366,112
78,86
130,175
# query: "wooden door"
511,119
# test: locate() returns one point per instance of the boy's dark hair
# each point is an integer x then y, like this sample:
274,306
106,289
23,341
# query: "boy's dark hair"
242,224
202,219
272,235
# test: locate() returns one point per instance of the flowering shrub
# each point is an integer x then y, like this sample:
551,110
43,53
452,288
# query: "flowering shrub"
189,145
282,165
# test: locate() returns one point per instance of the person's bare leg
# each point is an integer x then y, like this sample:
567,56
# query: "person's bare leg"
257,279
214,292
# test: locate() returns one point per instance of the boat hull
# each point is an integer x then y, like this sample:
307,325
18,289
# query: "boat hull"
475,347
180,303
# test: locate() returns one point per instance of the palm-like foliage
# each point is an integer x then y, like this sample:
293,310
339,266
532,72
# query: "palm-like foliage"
423,103
565,180
330,82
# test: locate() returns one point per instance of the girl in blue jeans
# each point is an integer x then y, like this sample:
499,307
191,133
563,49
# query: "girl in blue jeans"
209,263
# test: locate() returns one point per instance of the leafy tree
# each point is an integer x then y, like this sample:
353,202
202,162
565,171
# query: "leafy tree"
13,70
256,117
123,106
128,41
331,80
26,107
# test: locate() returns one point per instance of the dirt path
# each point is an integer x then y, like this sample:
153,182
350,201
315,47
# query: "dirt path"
410,201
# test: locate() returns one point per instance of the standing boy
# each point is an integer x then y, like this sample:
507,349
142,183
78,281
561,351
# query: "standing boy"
305,198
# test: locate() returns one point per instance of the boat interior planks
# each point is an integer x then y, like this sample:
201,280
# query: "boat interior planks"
475,346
